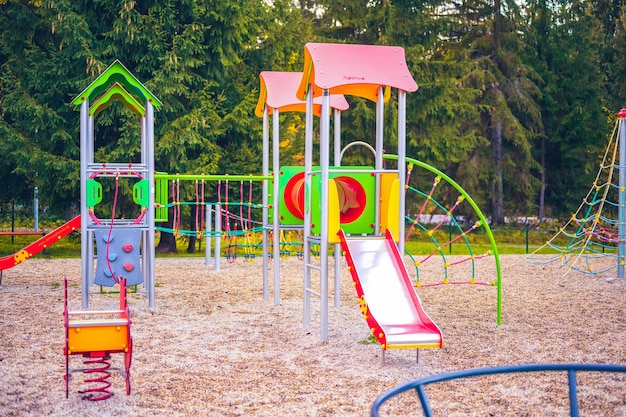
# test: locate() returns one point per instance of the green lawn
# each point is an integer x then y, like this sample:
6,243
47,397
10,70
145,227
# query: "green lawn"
508,241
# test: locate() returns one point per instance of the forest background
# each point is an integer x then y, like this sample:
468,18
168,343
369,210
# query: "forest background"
516,99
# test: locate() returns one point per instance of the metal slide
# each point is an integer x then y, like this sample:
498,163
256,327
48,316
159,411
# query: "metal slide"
388,300
40,244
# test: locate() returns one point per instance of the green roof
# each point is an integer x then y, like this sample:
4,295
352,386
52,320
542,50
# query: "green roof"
117,73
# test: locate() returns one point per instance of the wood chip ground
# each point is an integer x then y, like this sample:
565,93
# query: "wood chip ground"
214,347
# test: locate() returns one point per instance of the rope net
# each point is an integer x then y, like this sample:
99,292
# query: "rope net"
589,241
441,223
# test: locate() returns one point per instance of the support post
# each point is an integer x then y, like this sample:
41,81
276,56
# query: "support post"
621,245
276,201
266,171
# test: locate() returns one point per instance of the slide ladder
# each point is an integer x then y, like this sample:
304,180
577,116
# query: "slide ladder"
388,299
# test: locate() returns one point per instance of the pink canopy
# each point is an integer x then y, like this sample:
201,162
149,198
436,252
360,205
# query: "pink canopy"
357,70
278,91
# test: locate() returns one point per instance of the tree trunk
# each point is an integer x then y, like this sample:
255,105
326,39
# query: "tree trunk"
542,190
497,187
167,242
195,223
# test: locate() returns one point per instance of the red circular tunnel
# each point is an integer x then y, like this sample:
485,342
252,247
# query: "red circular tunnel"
352,197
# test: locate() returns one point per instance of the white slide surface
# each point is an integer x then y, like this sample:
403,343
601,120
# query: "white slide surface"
389,302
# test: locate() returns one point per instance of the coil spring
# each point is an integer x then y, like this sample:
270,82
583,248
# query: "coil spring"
101,390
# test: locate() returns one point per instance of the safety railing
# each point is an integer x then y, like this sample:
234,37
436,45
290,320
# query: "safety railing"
419,384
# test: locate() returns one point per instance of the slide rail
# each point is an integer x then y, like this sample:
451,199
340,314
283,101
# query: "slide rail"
39,245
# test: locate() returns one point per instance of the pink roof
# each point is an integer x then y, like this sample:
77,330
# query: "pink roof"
354,69
278,91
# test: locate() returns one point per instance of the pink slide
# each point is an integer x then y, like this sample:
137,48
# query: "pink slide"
388,300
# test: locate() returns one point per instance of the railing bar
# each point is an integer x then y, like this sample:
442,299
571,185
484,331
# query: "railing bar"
570,368
424,400
573,397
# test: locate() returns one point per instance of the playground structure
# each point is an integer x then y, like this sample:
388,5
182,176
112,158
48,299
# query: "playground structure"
366,203
317,202
353,207
124,248
596,232
116,83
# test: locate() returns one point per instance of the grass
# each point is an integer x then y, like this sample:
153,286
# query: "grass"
509,240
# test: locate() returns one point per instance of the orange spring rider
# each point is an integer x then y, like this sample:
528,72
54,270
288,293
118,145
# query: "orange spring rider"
96,335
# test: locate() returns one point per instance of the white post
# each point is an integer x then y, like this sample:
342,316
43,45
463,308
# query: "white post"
218,234
207,238
306,244
266,170
276,202
324,158
380,114
402,166
337,162
150,214
36,210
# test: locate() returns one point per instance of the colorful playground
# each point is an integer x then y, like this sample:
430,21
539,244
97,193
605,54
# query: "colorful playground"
308,301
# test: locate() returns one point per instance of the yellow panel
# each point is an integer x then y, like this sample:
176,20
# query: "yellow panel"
333,212
97,338
416,346
390,204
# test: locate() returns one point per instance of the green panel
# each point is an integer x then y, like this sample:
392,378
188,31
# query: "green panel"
141,193
287,173
161,200
94,192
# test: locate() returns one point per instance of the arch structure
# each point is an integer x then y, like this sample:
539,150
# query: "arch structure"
593,240
116,83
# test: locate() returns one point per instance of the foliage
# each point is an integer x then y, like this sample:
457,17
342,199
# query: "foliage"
513,103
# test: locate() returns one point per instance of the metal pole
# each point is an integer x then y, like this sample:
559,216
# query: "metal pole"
324,158
149,250
380,115
402,166
306,244
276,202
337,162
266,170
36,210
207,238
218,241
621,246
13,220
85,242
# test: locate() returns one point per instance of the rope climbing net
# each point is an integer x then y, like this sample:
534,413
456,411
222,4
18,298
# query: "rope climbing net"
592,240
443,226
233,207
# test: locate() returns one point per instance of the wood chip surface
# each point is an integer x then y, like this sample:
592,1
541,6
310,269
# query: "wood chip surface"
214,347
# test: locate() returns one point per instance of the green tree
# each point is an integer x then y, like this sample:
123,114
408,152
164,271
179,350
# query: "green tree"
565,47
